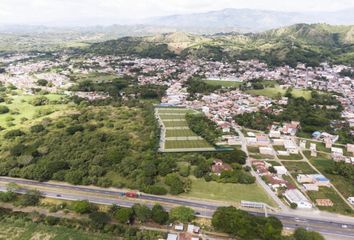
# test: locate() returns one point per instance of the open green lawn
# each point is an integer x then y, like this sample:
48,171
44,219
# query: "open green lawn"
296,168
228,192
180,133
17,229
290,157
95,77
279,148
20,109
178,117
320,155
174,110
170,144
253,149
344,186
223,83
261,156
175,123
328,193
272,92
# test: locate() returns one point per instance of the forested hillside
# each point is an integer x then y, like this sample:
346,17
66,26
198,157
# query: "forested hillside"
305,43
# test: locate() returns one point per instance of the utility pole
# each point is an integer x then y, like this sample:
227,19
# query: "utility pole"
265,210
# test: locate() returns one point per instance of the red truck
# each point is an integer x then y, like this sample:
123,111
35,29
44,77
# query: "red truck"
132,194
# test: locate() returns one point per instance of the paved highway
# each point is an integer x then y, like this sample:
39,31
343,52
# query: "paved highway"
327,224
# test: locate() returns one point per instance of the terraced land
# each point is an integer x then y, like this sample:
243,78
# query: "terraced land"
186,144
173,124
175,133
180,133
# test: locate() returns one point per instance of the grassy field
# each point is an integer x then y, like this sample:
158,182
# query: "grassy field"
21,109
17,229
95,77
344,186
261,156
180,133
290,157
339,206
320,155
174,110
227,192
178,114
187,144
253,149
279,148
296,168
272,92
223,83
179,117
175,123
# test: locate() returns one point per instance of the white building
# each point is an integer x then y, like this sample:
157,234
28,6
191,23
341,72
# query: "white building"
295,196
171,236
281,170
266,150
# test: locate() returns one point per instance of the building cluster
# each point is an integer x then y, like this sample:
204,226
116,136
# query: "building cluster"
189,232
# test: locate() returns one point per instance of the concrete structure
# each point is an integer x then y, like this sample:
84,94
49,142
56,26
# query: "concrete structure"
262,139
350,148
179,227
281,170
193,229
321,180
171,236
251,140
302,178
337,150
283,153
291,147
278,141
274,134
295,196
303,144
311,187
266,150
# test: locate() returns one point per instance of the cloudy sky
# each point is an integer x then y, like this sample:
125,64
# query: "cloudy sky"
88,12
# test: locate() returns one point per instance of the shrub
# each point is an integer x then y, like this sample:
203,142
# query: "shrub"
37,128
82,207
159,215
13,134
124,215
40,101
73,129
4,109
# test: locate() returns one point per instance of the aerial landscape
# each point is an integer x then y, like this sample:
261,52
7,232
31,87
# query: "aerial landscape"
176,120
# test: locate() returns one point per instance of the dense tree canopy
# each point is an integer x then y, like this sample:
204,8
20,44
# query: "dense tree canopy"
241,224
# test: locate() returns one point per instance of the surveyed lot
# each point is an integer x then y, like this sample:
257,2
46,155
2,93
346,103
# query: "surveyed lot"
228,192
175,133
273,92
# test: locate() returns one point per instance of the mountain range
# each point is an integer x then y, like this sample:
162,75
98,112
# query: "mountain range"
248,20
227,20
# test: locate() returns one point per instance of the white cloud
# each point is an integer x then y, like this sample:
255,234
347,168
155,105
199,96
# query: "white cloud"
113,11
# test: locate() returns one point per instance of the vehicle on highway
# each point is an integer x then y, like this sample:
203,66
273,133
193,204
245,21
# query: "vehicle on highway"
344,226
132,194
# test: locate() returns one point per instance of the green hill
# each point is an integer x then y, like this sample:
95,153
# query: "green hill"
307,43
